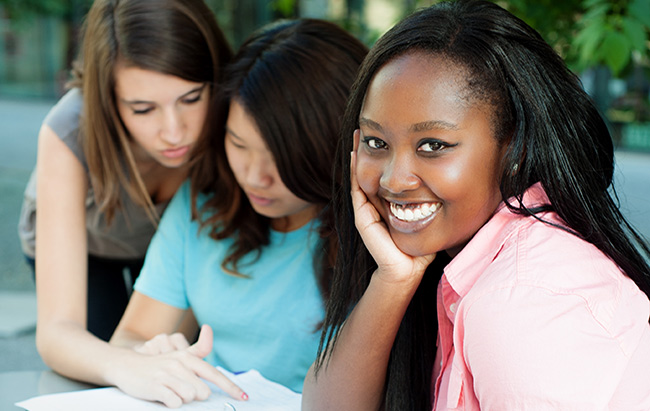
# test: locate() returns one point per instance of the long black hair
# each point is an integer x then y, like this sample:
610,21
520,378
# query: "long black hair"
553,134
293,77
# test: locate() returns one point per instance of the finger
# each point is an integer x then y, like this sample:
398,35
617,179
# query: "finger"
178,341
186,386
203,345
358,196
356,140
213,375
168,397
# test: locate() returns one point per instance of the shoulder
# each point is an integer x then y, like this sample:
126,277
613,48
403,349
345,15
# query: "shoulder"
65,114
543,273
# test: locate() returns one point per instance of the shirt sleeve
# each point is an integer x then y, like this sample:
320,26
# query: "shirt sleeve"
529,348
163,274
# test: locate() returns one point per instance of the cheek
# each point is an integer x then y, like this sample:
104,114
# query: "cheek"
198,115
139,128
368,175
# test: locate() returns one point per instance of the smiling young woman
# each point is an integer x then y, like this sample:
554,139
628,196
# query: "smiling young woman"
484,264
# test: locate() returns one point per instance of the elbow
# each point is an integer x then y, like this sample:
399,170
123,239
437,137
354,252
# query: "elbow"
43,346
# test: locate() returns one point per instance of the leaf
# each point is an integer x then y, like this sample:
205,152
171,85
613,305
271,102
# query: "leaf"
587,4
587,41
640,9
635,32
284,7
615,51
596,12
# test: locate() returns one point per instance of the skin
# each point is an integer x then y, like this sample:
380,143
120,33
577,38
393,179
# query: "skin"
172,122
254,168
164,114
148,326
420,142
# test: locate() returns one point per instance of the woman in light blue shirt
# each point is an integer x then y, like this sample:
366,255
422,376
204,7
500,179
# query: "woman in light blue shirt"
247,243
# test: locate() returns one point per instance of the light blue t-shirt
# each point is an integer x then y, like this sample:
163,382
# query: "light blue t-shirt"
267,321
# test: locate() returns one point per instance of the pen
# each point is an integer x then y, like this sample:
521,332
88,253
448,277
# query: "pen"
228,407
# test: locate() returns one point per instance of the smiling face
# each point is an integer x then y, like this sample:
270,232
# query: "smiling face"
427,156
256,173
163,114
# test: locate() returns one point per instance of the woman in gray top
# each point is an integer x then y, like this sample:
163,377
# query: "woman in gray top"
111,154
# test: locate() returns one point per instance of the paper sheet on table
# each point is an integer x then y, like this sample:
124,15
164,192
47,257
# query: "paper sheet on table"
264,395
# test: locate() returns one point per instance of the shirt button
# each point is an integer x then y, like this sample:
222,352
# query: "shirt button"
452,308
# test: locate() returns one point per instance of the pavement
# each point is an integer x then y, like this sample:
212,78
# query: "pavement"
19,124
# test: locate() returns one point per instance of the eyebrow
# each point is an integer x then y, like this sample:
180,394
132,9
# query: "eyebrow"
194,90
417,127
370,124
433,125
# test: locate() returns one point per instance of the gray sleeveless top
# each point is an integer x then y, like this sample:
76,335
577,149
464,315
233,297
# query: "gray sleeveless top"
128,235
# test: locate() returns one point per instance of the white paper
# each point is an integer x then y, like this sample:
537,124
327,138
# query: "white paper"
264,395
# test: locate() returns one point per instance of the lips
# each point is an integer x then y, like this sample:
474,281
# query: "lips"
413,212
176,152
262,201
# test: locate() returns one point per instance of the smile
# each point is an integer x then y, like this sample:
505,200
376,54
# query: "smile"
413,212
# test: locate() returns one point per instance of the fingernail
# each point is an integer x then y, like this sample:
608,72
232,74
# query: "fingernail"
244,396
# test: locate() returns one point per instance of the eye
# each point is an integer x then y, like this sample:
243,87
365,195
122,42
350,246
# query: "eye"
433,146
142,111
233,141
193,98
374,143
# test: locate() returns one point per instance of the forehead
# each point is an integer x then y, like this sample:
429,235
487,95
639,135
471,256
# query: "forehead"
242,124
417,87
133,82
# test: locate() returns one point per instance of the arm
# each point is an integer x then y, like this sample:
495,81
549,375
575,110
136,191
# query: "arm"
61,284
355,372
150,326
61,263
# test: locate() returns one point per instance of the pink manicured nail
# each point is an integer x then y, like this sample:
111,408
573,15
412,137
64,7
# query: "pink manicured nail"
244,396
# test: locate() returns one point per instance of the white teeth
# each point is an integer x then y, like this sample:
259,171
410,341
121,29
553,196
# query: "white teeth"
413,212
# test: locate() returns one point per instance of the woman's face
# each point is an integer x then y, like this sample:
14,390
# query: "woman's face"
254,168
163,114
427,157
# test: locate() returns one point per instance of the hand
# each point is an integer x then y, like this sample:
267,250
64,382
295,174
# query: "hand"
174,377
163,343
393,264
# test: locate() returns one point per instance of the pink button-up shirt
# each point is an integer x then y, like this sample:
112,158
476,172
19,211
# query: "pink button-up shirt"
533,318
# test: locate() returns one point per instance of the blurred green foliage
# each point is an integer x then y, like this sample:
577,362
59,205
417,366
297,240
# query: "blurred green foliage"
23,12
586,33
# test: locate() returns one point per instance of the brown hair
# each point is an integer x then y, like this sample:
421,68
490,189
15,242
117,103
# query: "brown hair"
176,37
293,78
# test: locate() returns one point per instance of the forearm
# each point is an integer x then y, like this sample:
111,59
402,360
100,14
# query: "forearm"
126,339
69,349
353,377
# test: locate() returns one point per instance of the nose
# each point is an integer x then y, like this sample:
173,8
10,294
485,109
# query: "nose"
172,127
260,171
399,175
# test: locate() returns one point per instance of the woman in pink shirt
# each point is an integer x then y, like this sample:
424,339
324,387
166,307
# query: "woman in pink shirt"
484,264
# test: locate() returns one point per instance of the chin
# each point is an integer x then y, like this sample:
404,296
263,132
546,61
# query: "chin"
413,247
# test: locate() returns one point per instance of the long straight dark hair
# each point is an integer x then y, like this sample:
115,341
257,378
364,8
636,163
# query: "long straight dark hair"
293,77
554,135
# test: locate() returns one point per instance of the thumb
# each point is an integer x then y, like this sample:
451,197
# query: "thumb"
203,346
